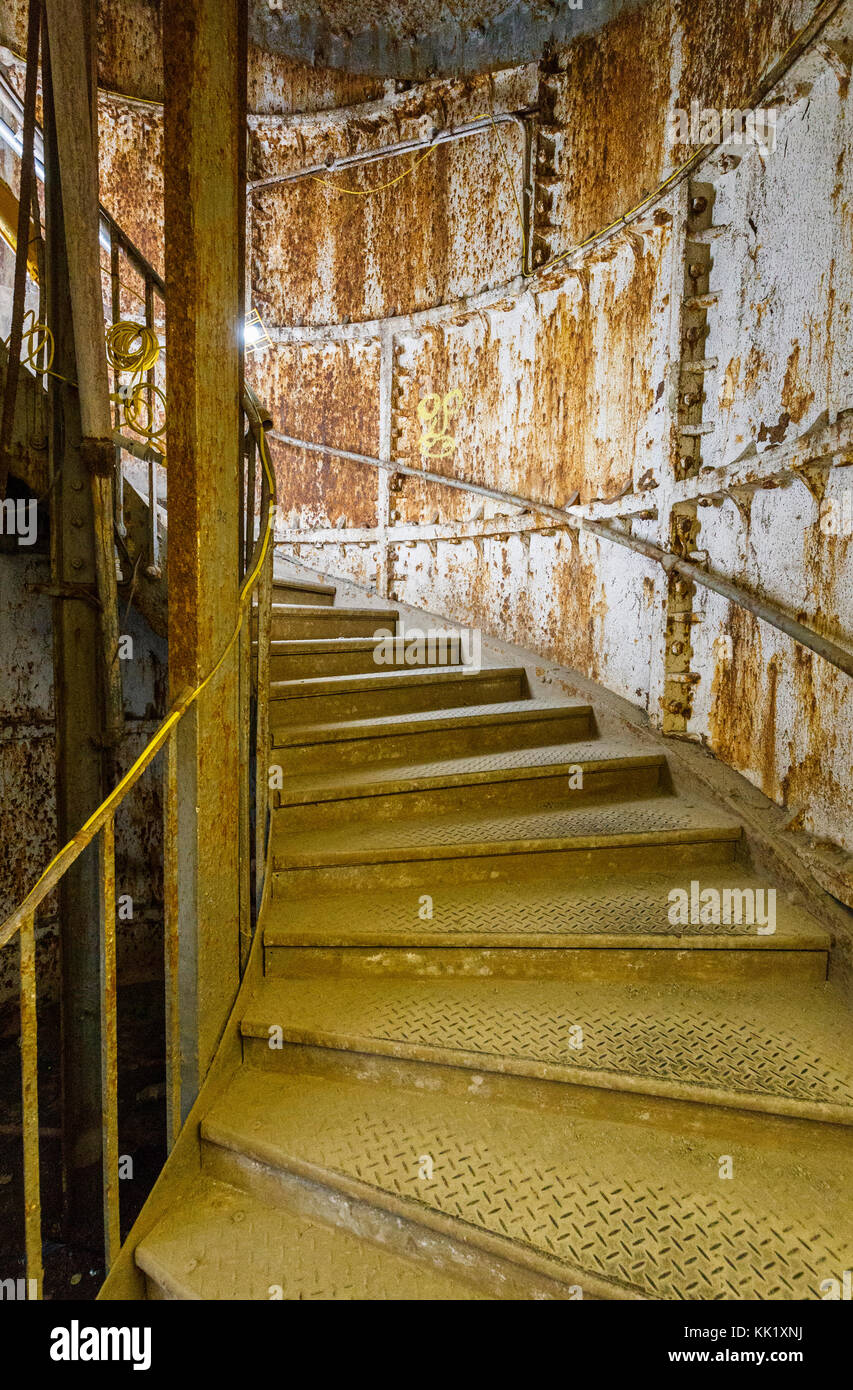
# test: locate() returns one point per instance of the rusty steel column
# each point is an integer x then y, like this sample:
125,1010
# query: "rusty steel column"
80,776
205,123
70,26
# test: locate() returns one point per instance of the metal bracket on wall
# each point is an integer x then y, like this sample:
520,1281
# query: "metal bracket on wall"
679,679
696,300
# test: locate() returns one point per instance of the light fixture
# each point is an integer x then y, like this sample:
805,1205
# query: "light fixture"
255,336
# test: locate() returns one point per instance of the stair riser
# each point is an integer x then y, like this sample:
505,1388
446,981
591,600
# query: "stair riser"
474,1063
461,742
408,698
282,594
546,791
486,1270
427,874
496,1087
288,627
572,964
315,665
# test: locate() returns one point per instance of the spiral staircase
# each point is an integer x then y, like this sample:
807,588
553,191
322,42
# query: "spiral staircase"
473,1056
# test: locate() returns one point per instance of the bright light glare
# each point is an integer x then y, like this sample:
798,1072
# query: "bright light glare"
10,138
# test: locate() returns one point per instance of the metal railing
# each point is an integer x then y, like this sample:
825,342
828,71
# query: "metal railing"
257,561
150,294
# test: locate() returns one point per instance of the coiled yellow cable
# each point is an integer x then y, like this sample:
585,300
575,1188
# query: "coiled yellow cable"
135,348
132,347
35,338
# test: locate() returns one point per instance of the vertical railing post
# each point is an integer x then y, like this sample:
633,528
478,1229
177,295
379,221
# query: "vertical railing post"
29,1103
244,716
115,312
154,569
262,721
109,1045
251,488
170,939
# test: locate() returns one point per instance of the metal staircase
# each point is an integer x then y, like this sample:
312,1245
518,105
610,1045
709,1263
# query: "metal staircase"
472,1056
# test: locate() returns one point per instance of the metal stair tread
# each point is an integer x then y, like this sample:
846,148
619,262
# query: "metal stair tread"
613,822
373,680
630,909
221,1243
305,586
291,646
621,1208
725,1044
323,612
504,765
521,711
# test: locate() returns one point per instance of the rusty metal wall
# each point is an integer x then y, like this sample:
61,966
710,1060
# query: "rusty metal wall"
28,770
572,386
130,152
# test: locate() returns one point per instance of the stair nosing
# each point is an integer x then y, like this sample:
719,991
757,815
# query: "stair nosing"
762,1103
356,791
357,730
353,683
797,941
417,1213
481,849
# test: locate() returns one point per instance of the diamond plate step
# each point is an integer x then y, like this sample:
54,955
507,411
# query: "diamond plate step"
608,836
555,928
307,658
390,692
300,591
614,1209
447,732
785,1053
515,779
290,621
222,1243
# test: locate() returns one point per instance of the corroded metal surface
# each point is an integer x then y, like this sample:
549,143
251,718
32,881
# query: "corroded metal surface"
550,381
447,228
583,386
131,176
420,39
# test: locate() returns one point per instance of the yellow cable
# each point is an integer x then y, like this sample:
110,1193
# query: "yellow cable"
157,741
132,347
638,207
380,188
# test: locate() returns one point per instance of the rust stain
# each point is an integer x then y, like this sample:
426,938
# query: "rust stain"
578,606
742,718
797,395
279,85
316,490
131,177
130,48
726,49
541,416
774,434
445,231
613,111
324,393
810,772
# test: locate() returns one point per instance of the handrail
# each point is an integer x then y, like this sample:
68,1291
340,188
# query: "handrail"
84,836
21,921
832,652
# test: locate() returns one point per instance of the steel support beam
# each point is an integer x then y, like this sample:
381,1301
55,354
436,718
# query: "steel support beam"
70,25
204,74
78,699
